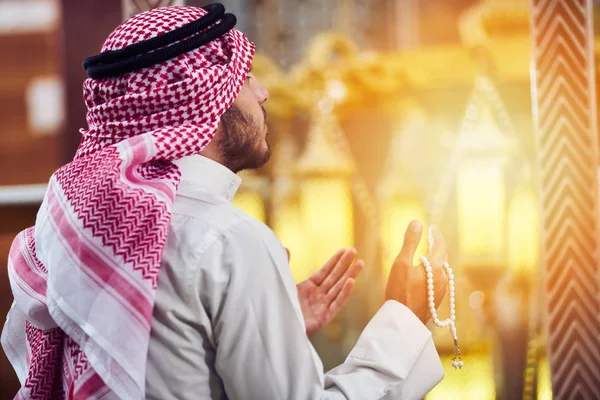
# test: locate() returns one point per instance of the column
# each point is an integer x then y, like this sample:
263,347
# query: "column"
564,109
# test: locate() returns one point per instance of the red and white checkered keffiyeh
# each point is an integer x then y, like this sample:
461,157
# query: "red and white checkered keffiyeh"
84,277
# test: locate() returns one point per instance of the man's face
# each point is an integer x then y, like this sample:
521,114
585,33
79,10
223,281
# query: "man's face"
242,141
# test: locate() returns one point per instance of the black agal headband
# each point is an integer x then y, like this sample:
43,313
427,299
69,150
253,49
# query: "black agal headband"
158,49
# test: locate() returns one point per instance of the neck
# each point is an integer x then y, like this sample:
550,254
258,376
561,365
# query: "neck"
211,151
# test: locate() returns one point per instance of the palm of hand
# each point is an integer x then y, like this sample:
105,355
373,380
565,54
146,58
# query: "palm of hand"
325,293
313,303
418,296
407,283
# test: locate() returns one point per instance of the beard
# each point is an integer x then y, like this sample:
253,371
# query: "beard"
240,142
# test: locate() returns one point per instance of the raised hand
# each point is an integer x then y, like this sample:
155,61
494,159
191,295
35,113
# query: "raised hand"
407,283
326,292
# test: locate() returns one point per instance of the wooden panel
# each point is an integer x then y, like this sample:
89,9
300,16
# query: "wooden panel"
28,55
25,57
86,24
9,384
24,158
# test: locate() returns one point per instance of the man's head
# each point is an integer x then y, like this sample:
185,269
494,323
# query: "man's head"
179,78
241,139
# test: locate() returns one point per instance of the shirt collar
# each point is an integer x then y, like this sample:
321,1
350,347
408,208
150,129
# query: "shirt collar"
209,176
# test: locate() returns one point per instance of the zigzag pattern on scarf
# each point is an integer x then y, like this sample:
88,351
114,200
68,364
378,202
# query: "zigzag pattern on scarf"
132,222
46,350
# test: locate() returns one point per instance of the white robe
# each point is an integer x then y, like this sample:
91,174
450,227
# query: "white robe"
227,321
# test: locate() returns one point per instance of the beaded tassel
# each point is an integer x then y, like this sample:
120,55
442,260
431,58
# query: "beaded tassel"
457,362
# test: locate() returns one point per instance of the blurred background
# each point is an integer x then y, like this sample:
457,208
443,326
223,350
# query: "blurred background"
476,115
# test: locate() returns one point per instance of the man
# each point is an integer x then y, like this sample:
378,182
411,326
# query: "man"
141,280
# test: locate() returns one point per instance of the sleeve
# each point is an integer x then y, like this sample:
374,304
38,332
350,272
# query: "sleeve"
263,353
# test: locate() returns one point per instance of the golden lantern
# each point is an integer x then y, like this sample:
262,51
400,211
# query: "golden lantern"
400,203
250,196
288,225
325,197
285,217
481,193
523,229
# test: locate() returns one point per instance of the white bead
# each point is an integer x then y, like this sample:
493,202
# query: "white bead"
430,292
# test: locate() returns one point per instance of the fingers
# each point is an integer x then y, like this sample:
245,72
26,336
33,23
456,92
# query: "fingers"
321,274
412,237
342,298
437,246
339,269
351,273
287,251
437,256
355,270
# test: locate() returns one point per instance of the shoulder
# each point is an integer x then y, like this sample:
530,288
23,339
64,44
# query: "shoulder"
251,238
248,258
221,227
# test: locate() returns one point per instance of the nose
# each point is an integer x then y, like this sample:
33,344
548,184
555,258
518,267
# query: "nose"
261,92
